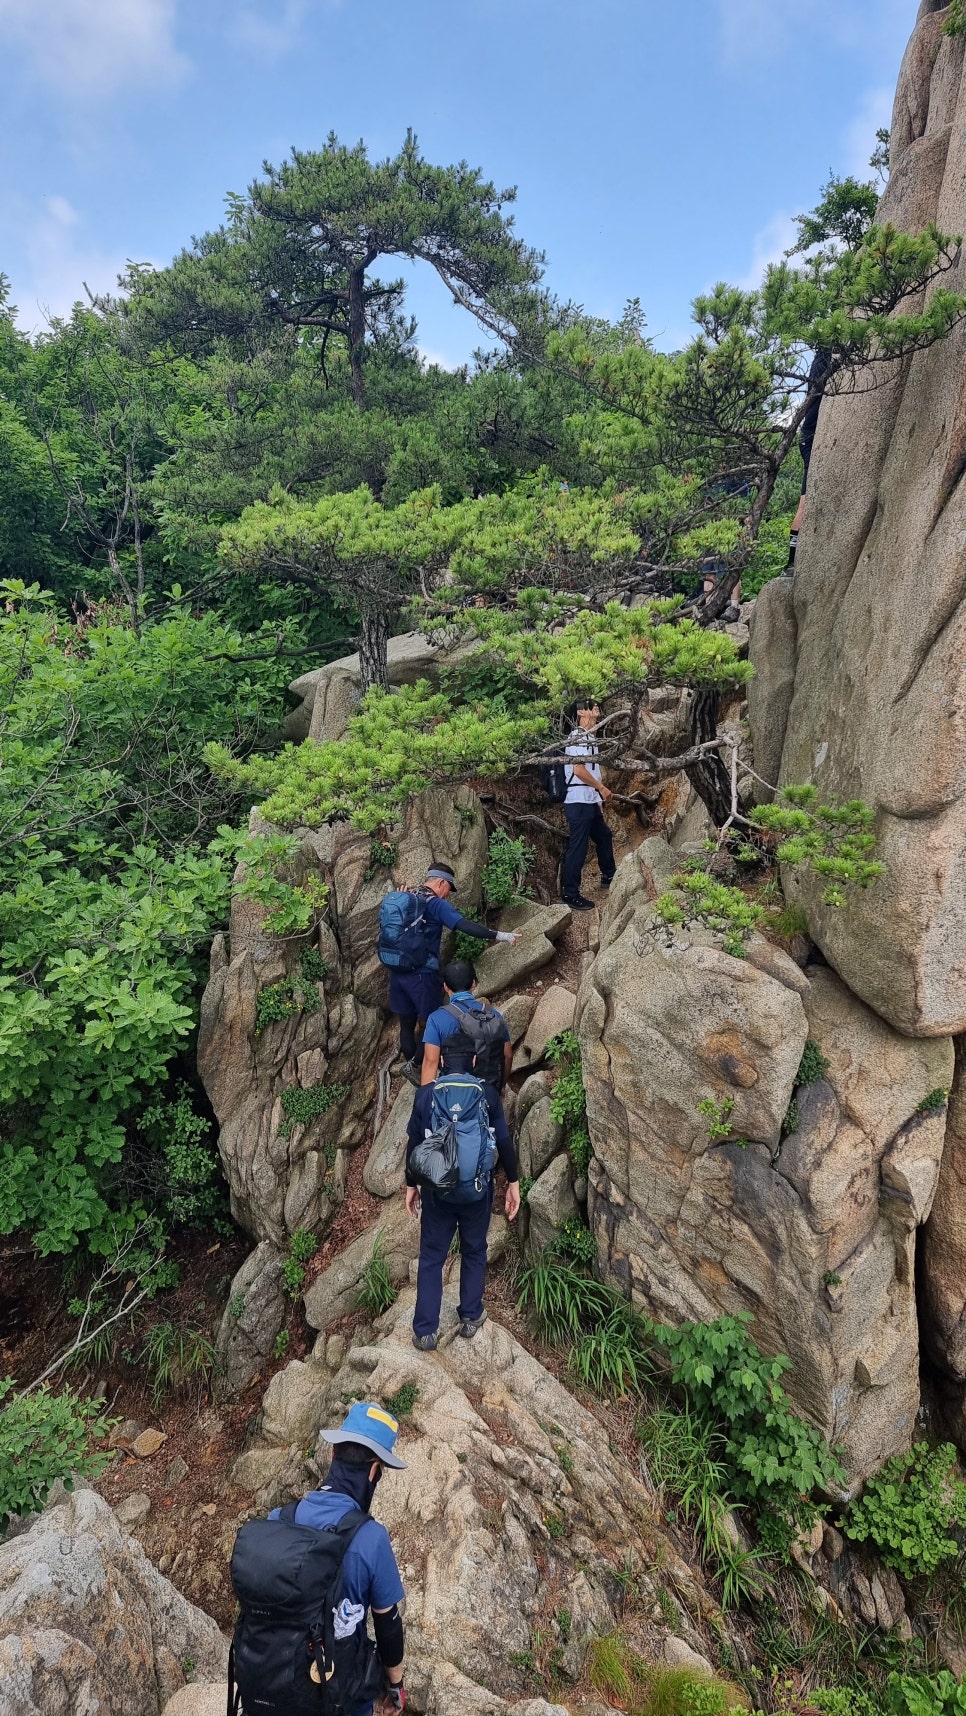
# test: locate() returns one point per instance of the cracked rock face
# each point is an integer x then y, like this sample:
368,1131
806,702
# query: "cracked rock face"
812,1230
285,1175
878,709
88,1626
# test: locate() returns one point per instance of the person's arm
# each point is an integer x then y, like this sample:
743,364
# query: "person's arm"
430,1066
391,1644
505,1147
584,775
454,920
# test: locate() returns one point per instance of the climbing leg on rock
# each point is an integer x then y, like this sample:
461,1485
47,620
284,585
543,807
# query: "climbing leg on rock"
473,1222
437,1225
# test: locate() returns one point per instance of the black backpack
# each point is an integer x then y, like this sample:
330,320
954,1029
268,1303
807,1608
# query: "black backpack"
481,1031
553,779
288,1581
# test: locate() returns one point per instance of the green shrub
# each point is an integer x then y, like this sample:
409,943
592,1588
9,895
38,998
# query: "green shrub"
909,1509
933,1103
724,910
182,1167
302,1246
301,1107
43,1437
568,1100
812,1066
939,1694
402,1402
275,1003
773,1458
955,21
574,1241
506,869
377,1289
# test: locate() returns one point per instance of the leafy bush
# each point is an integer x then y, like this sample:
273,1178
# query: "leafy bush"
301,1107
377,1290
686,1459
290,995
773,1458
184,1170
302,1246
933,1103
939,1694
402,1402
909,1509
43,1437
575,1241
568,1100
505,871
724,910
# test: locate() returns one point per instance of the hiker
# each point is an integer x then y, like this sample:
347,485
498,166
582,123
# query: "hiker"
817,377
586,793
305,1578
458,1098
481,1030
411,924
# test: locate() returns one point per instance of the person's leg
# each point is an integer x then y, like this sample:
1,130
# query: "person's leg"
579,818
437,1225
407,1036
604,846
474,1222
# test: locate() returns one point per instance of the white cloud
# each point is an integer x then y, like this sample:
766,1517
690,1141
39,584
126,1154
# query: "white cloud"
270,38
93,47
859,136
60,260
432,359
768,245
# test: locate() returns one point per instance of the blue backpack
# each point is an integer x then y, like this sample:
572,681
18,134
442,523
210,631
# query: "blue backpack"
457,1157
407,935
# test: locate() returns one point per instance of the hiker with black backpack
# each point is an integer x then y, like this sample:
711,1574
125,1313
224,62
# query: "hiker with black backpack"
456,1135
411,925
480,1029
305,1579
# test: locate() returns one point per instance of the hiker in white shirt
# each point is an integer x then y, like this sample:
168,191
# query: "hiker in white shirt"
586,793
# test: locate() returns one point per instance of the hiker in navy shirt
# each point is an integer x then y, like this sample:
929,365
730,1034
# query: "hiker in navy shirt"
413,995
459,984
440,1220
362,1448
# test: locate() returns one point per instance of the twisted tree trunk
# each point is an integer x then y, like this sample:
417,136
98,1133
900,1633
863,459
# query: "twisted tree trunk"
709,777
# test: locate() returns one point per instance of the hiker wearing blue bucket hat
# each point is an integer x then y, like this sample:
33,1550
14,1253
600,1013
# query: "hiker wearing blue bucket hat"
365,1576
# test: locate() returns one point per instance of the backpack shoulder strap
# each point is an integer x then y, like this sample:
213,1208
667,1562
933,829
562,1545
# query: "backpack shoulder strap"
288,1512
455,1011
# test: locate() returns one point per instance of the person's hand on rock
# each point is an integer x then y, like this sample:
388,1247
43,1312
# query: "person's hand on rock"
512,1205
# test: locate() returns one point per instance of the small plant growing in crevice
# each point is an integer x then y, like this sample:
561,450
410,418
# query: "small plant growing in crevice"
831,1278
301,1107
508,864
574,1241
718,1116
812,1066
725,911
402,1402
302,1247
568,1099
377,1289
282,1343
382,856
290,995
933,1103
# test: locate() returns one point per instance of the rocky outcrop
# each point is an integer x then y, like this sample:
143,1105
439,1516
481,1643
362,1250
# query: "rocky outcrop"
811,1230
943,1271
88,1626
878,709
322,1029
329,695
255,1312
512,1495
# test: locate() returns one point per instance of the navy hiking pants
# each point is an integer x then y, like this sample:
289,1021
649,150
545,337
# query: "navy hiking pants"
438,1223
586,823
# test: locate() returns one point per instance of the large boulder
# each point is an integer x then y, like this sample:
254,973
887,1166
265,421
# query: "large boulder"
538,928
329,695
811,1231
322,1031
88,1626
385,1169
255,1313
878,710
943,1274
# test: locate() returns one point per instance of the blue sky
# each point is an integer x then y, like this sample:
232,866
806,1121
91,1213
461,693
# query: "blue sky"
656,146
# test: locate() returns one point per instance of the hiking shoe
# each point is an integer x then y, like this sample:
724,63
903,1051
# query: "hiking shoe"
426,1343
606,881
579,904
469,1326
413,1071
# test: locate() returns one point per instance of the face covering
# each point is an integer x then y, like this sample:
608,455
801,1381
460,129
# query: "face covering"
353,1481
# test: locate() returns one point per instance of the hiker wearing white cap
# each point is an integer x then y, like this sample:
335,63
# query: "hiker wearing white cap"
411,924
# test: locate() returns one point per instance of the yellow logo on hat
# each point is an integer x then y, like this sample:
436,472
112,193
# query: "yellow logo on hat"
383,1417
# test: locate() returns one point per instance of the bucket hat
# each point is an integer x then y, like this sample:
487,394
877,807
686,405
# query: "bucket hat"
371,1427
